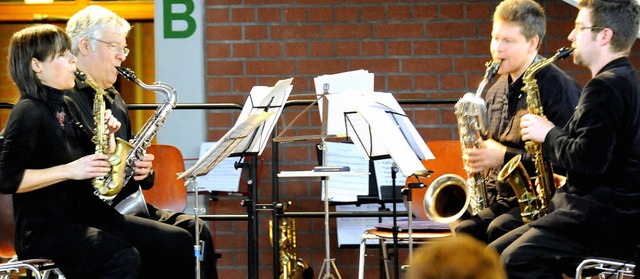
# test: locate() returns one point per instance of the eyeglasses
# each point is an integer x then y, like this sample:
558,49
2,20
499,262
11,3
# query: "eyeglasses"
114,46
592,28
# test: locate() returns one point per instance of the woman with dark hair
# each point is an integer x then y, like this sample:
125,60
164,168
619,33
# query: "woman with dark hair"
57,215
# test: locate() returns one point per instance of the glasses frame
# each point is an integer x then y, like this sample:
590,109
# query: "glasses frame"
114,46
591,28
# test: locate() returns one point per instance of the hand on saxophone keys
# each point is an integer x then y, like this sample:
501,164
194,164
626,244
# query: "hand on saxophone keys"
489,155
534,127
90,166
113,125
558,181
143,167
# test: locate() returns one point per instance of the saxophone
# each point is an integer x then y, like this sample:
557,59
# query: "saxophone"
291,266
533,205
471,114
132,152
100,136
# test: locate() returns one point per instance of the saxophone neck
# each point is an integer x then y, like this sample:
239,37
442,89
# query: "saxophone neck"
562,53
490,72
167,90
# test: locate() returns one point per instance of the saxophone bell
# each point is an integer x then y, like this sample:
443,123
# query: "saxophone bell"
533,205
449,195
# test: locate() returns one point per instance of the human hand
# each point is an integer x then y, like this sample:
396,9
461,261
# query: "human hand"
90,166
113,124
558,181
143,167
489,155
534,127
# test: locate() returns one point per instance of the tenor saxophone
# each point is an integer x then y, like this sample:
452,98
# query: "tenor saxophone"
442,200
533,205
132,152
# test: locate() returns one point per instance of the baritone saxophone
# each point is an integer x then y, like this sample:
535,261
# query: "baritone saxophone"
291,266
449,195
533,205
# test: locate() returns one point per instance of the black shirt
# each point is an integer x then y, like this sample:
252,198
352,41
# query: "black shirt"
506,104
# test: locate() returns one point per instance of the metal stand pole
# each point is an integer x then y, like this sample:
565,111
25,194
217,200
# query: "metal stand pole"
394,171
325,271
250,203
197,247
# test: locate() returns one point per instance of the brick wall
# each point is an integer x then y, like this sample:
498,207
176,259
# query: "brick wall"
417,50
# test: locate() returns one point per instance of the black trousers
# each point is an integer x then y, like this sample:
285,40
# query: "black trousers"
492,222
129,247
187,222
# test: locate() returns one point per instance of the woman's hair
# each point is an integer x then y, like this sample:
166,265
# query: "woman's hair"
621,16
459,257
526,13
91,22
42,42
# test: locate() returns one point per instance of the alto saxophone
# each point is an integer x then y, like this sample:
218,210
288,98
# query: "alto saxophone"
132,152
440,200
533,205
100,136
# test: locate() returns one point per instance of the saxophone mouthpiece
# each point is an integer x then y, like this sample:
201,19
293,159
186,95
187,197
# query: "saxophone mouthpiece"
562,53
492,69
80,75
127,73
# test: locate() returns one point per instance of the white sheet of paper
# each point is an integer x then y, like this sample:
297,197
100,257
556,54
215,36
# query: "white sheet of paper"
382,168
386,140
352,82
223,177
269,98
350,229
346,187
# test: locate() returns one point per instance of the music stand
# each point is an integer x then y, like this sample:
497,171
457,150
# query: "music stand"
248,136
216,154
383,130
328,263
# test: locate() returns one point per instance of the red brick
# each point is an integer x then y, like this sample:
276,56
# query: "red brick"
270,49
224,33
390,30
269,14
243,15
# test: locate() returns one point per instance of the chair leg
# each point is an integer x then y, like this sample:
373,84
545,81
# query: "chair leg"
363,246
385,258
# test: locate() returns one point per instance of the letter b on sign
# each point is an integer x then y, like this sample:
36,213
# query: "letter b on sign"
178,23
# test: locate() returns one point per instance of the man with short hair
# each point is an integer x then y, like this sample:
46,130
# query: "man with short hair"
599,148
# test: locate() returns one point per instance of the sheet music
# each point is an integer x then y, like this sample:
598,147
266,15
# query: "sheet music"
352,82
223,177
393,142
227,144
387,132
382,168
350,229
346,187
263,98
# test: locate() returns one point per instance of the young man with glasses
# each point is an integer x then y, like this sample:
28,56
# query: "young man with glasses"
594,212
99,41
519,26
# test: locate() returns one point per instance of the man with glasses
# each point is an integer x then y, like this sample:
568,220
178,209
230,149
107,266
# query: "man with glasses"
597,210
99,41
519,26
